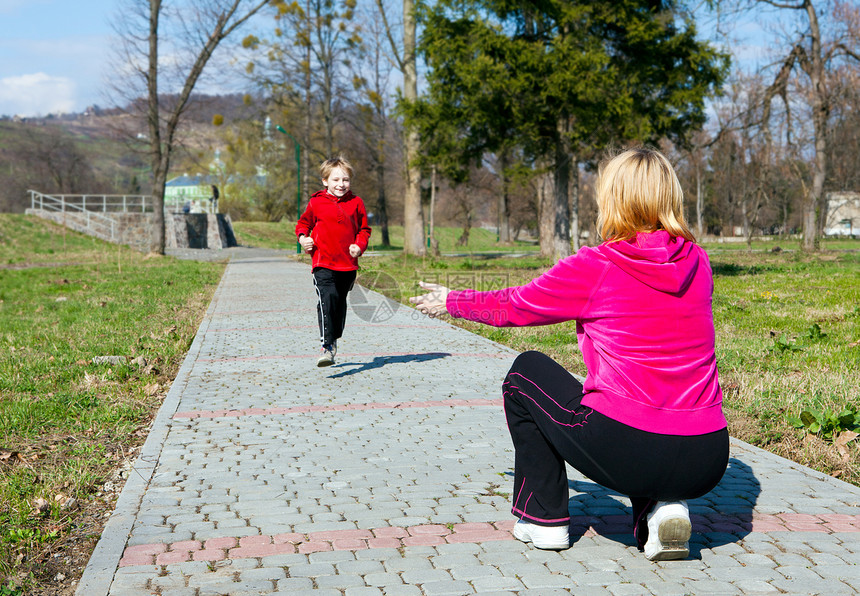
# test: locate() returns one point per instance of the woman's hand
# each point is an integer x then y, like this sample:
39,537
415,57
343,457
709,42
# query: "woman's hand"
307,243
431,304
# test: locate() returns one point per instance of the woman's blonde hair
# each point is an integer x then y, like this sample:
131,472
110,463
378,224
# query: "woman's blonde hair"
328,165
638,191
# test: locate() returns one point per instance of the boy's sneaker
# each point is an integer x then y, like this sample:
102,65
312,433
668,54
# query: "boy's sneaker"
327,357
544,537
669,530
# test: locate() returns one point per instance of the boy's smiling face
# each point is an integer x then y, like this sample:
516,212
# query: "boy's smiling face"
337,182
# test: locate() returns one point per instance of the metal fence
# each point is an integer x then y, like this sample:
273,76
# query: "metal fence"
99,203
118,203
89,216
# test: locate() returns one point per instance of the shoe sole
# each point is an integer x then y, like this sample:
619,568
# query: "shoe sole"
524,536
324,363
674,535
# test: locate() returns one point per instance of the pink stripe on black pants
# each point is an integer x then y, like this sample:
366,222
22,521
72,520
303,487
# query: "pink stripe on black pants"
549,425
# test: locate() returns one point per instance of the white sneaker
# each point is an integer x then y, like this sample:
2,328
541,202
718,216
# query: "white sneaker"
327,357
544,537
669,530
334,348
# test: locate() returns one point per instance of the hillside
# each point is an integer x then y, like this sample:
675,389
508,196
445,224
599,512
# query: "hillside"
98,151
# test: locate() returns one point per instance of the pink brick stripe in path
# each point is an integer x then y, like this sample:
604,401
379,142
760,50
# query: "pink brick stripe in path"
217,549
394,405
281,327
354,355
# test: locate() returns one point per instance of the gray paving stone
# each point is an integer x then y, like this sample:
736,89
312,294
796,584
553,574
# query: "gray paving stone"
711,587
840,571
823,587
407,564
496,583
450,561
294,584
474,572
446,588
313,570
365,591
263,573
756,587
403,590
628,590
537,580
340,582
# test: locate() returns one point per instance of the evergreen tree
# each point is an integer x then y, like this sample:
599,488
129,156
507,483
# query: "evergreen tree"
560,80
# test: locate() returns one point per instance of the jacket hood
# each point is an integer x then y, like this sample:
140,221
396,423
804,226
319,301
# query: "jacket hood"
659,260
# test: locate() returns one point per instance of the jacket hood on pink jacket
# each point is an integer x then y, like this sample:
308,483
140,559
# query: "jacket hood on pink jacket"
665,263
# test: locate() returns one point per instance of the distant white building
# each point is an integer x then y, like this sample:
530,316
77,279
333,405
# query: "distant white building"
843,214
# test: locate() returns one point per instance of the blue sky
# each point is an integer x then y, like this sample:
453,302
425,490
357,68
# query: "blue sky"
53,54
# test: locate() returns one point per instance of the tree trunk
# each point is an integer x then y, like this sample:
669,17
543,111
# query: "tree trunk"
463,240
413,216
561,227
306,171
503,206
381,206
819,124
161,145
573,203
700,204
546,214
159,168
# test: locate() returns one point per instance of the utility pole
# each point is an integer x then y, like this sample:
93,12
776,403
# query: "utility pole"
298,149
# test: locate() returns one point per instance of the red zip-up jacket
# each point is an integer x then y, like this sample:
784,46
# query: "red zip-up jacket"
334,224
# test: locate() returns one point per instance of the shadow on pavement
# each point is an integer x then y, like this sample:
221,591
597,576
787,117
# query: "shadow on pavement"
723,516
381,361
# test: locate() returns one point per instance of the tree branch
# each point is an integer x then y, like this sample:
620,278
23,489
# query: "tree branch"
397,57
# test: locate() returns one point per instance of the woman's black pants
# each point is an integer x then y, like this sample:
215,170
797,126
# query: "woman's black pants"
550,426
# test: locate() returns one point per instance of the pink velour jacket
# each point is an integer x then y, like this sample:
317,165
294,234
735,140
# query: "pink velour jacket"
644,325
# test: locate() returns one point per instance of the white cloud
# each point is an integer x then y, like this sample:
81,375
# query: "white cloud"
36,94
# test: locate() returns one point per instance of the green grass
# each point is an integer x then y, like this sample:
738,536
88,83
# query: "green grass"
775,243
281,235
66,422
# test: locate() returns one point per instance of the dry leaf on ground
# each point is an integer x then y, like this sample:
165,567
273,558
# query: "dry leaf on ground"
842,441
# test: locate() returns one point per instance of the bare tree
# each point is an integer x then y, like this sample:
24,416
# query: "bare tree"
826,37
192,31
372,80
407,62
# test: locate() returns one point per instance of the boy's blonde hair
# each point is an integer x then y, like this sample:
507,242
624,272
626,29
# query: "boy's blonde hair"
330,164
638,191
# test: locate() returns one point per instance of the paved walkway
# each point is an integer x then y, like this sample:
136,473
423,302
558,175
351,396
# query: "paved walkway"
389,473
